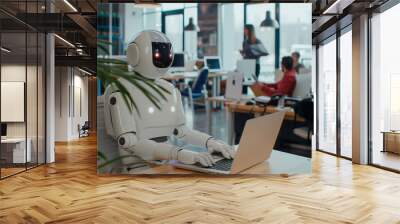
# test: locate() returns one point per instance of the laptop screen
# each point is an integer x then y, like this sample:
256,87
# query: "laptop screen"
213,63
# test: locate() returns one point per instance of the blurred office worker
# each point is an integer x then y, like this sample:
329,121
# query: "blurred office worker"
284,87
252,48
296,61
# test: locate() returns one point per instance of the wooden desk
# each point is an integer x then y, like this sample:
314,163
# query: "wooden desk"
391,141
279,163
175,76
241,107
13,150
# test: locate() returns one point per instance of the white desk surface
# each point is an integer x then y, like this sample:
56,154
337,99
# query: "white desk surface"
280,163
13,140
191,75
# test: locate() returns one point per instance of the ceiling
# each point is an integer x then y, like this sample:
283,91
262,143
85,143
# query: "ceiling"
77,24
72,20
331,15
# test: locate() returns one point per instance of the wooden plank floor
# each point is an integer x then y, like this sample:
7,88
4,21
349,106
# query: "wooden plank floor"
70,191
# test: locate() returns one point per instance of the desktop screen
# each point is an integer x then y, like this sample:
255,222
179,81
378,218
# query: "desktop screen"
179,60
3,129
213,63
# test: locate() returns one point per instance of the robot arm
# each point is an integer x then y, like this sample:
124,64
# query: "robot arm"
199,138
124,131
151,150
203,140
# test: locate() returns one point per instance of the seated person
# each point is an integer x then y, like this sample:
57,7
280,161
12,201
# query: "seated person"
296,62
284,87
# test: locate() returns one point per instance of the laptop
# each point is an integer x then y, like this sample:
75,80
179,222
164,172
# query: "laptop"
248,68
234,86
255,147
213,63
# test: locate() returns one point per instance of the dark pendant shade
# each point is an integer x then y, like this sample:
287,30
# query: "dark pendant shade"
190,26
269,22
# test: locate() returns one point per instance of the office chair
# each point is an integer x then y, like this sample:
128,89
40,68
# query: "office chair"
84,130
197,90
305,109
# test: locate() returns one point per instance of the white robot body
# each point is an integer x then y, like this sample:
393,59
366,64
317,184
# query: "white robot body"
148,122
144,131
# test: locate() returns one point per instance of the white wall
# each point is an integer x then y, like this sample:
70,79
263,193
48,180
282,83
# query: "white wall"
69,82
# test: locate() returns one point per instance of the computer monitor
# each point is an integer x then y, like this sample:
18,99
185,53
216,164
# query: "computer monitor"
234,86
3,130
213,63
248,68
179,62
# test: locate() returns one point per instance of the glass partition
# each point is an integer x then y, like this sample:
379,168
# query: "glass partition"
15,150
22,101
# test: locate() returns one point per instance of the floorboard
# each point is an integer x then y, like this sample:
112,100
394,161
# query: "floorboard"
69,191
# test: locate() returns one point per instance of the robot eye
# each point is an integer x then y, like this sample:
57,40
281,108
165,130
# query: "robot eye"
170,55
157,55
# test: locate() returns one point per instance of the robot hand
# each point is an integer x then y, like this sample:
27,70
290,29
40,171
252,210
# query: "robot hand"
214,145
189,157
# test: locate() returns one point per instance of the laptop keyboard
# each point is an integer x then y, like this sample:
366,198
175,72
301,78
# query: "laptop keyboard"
223,165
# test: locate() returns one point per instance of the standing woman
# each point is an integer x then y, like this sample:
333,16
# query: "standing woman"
252,47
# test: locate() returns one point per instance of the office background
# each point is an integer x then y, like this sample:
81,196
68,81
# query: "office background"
227,19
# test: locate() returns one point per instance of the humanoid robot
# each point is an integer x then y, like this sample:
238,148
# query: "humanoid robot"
146,132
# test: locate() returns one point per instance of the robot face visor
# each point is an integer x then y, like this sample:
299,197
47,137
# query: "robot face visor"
162,54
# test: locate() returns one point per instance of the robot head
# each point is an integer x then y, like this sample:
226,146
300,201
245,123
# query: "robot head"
150,54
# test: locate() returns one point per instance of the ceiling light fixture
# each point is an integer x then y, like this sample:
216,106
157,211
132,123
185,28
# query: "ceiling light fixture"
84,71
268,22
148,5
64,40
70,5
337,7
5,49
191,26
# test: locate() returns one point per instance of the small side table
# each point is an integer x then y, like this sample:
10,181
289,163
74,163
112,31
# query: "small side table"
391,141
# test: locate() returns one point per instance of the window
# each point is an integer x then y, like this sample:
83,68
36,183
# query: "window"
385,89
232,34
152,19
346,94
173,27
297,23
191,36
255,14
327,97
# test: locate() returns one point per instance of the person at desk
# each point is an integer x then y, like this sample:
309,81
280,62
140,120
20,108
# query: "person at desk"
296,64
252,48
284,87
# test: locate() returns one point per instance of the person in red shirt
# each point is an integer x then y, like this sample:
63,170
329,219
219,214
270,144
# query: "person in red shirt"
284,87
